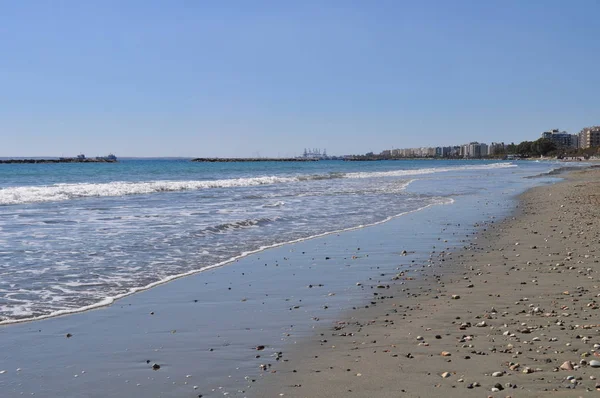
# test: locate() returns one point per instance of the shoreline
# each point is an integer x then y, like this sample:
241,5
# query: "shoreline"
112,300
486,323
203,331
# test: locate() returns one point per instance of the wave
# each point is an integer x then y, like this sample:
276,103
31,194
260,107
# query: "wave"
232,226
275,204
62,192
559,170
110,300
431,170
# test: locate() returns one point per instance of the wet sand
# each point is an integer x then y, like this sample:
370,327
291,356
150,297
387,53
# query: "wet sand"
243,329
210,333
516,313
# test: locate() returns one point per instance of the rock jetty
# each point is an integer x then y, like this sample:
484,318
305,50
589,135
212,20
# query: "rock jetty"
61,160
226,160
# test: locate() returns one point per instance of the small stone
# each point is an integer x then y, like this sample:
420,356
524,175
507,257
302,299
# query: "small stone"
155,366
497,374
69,335
594,363
567,365
260,348
455,297
445,375
445,354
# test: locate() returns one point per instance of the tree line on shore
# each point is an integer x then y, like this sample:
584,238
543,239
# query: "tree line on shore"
547,148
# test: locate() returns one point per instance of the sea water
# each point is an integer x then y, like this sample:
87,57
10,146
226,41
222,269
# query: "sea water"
78,236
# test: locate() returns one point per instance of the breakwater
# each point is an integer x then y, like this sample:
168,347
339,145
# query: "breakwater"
226,160
61,160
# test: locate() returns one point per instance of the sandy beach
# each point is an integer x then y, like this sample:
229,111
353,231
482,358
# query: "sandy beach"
432,303
513,314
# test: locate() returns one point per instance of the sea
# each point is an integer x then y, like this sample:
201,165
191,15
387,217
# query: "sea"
79,236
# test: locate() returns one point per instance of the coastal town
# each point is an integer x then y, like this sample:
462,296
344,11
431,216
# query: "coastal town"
553,143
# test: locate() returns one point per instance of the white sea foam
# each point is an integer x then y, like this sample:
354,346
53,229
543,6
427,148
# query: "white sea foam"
24,311
62,192
431,170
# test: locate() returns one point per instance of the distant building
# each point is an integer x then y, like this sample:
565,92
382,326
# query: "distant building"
561,139
575,140
483,150
473,150
589,137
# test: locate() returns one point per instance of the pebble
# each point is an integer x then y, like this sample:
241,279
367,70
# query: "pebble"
567,365
594,363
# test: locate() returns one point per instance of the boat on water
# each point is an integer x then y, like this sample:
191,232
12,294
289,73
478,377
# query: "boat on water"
110,157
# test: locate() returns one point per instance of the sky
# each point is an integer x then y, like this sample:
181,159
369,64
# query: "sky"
270,78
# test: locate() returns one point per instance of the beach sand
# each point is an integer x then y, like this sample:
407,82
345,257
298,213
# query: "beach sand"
203,330
340,315
516,313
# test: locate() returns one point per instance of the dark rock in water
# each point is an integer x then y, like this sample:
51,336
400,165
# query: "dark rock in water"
229,160
60,160
260,348
155,366
69,335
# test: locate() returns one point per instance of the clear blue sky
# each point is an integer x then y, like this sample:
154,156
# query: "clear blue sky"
241,78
